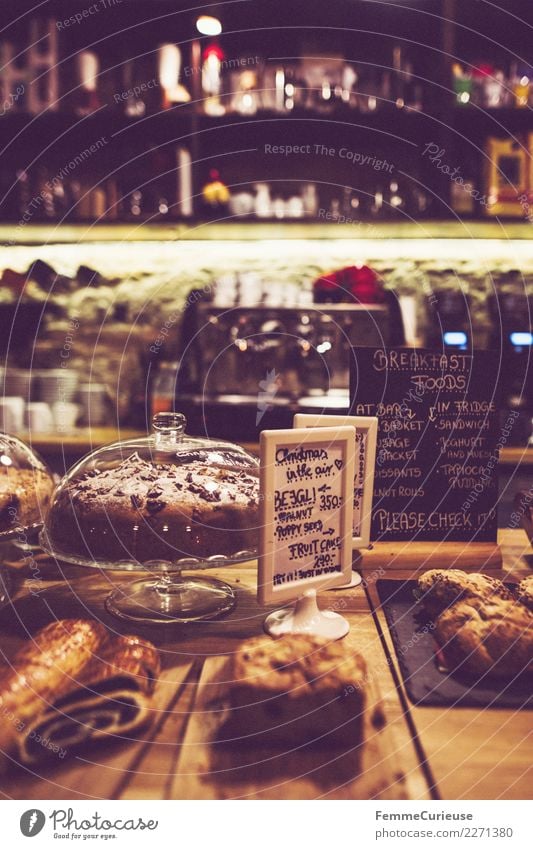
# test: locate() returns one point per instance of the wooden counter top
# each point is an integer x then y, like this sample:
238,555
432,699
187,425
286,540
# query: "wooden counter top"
83,440
149,768
446,753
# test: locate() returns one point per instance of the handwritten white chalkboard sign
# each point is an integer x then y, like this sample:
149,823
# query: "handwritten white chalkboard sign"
306,492
366,431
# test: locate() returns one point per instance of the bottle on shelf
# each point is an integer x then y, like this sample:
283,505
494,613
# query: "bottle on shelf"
462,85
88,67
215,195
398,78
164,388
413,91
495,92
169,70
245,98
212,80
310,200
184,183
521,85
263,201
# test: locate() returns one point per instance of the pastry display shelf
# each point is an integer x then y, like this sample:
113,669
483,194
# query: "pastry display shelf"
456,753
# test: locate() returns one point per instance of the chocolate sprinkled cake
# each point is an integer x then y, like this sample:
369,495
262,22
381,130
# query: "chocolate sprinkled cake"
141,512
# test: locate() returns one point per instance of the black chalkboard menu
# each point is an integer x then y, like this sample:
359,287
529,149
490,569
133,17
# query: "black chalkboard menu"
438,441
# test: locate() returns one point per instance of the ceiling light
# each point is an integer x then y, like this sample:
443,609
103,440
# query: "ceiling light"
207,25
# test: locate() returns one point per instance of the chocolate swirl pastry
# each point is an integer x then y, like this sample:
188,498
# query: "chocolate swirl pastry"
72,683
25,495
140,511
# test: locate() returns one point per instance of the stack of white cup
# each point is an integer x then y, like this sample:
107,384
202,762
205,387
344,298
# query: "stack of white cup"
36,416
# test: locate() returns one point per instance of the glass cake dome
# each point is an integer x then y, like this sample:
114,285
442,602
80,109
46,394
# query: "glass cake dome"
163,503
26,487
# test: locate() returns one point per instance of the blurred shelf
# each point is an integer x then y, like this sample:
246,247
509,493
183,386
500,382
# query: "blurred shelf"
246,230
516,456
478,120
80,440
387,115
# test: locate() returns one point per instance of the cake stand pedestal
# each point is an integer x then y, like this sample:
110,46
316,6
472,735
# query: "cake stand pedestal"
172,599
306,618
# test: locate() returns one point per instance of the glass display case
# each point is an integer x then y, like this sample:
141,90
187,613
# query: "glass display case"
26,487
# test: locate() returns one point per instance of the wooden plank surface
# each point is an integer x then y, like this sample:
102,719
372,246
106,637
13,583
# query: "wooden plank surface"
476,754
417,557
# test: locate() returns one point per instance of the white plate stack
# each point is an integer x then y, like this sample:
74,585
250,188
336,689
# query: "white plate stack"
57,385
18,383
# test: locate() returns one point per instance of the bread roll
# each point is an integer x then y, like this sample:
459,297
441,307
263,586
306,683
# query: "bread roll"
440,588
494,638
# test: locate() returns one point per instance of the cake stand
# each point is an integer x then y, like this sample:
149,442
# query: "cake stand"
165,595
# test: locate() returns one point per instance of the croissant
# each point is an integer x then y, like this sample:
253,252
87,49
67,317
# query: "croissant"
72,683
493,639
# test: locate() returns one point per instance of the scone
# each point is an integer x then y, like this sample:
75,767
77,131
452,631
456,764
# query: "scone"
525,592
440,588
299,690
494,638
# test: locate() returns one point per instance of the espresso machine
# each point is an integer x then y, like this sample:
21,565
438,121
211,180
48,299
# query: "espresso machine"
511,333
250,366
449,320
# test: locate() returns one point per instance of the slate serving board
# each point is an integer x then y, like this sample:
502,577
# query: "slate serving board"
414,646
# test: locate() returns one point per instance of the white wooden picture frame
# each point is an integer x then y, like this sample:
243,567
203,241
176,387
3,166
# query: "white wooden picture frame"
366,434
275,556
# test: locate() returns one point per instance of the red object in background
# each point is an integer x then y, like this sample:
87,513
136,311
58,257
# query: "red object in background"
358,283
213,49
484,69
13,280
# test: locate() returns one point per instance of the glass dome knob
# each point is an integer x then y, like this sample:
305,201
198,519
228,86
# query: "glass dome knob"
169,427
